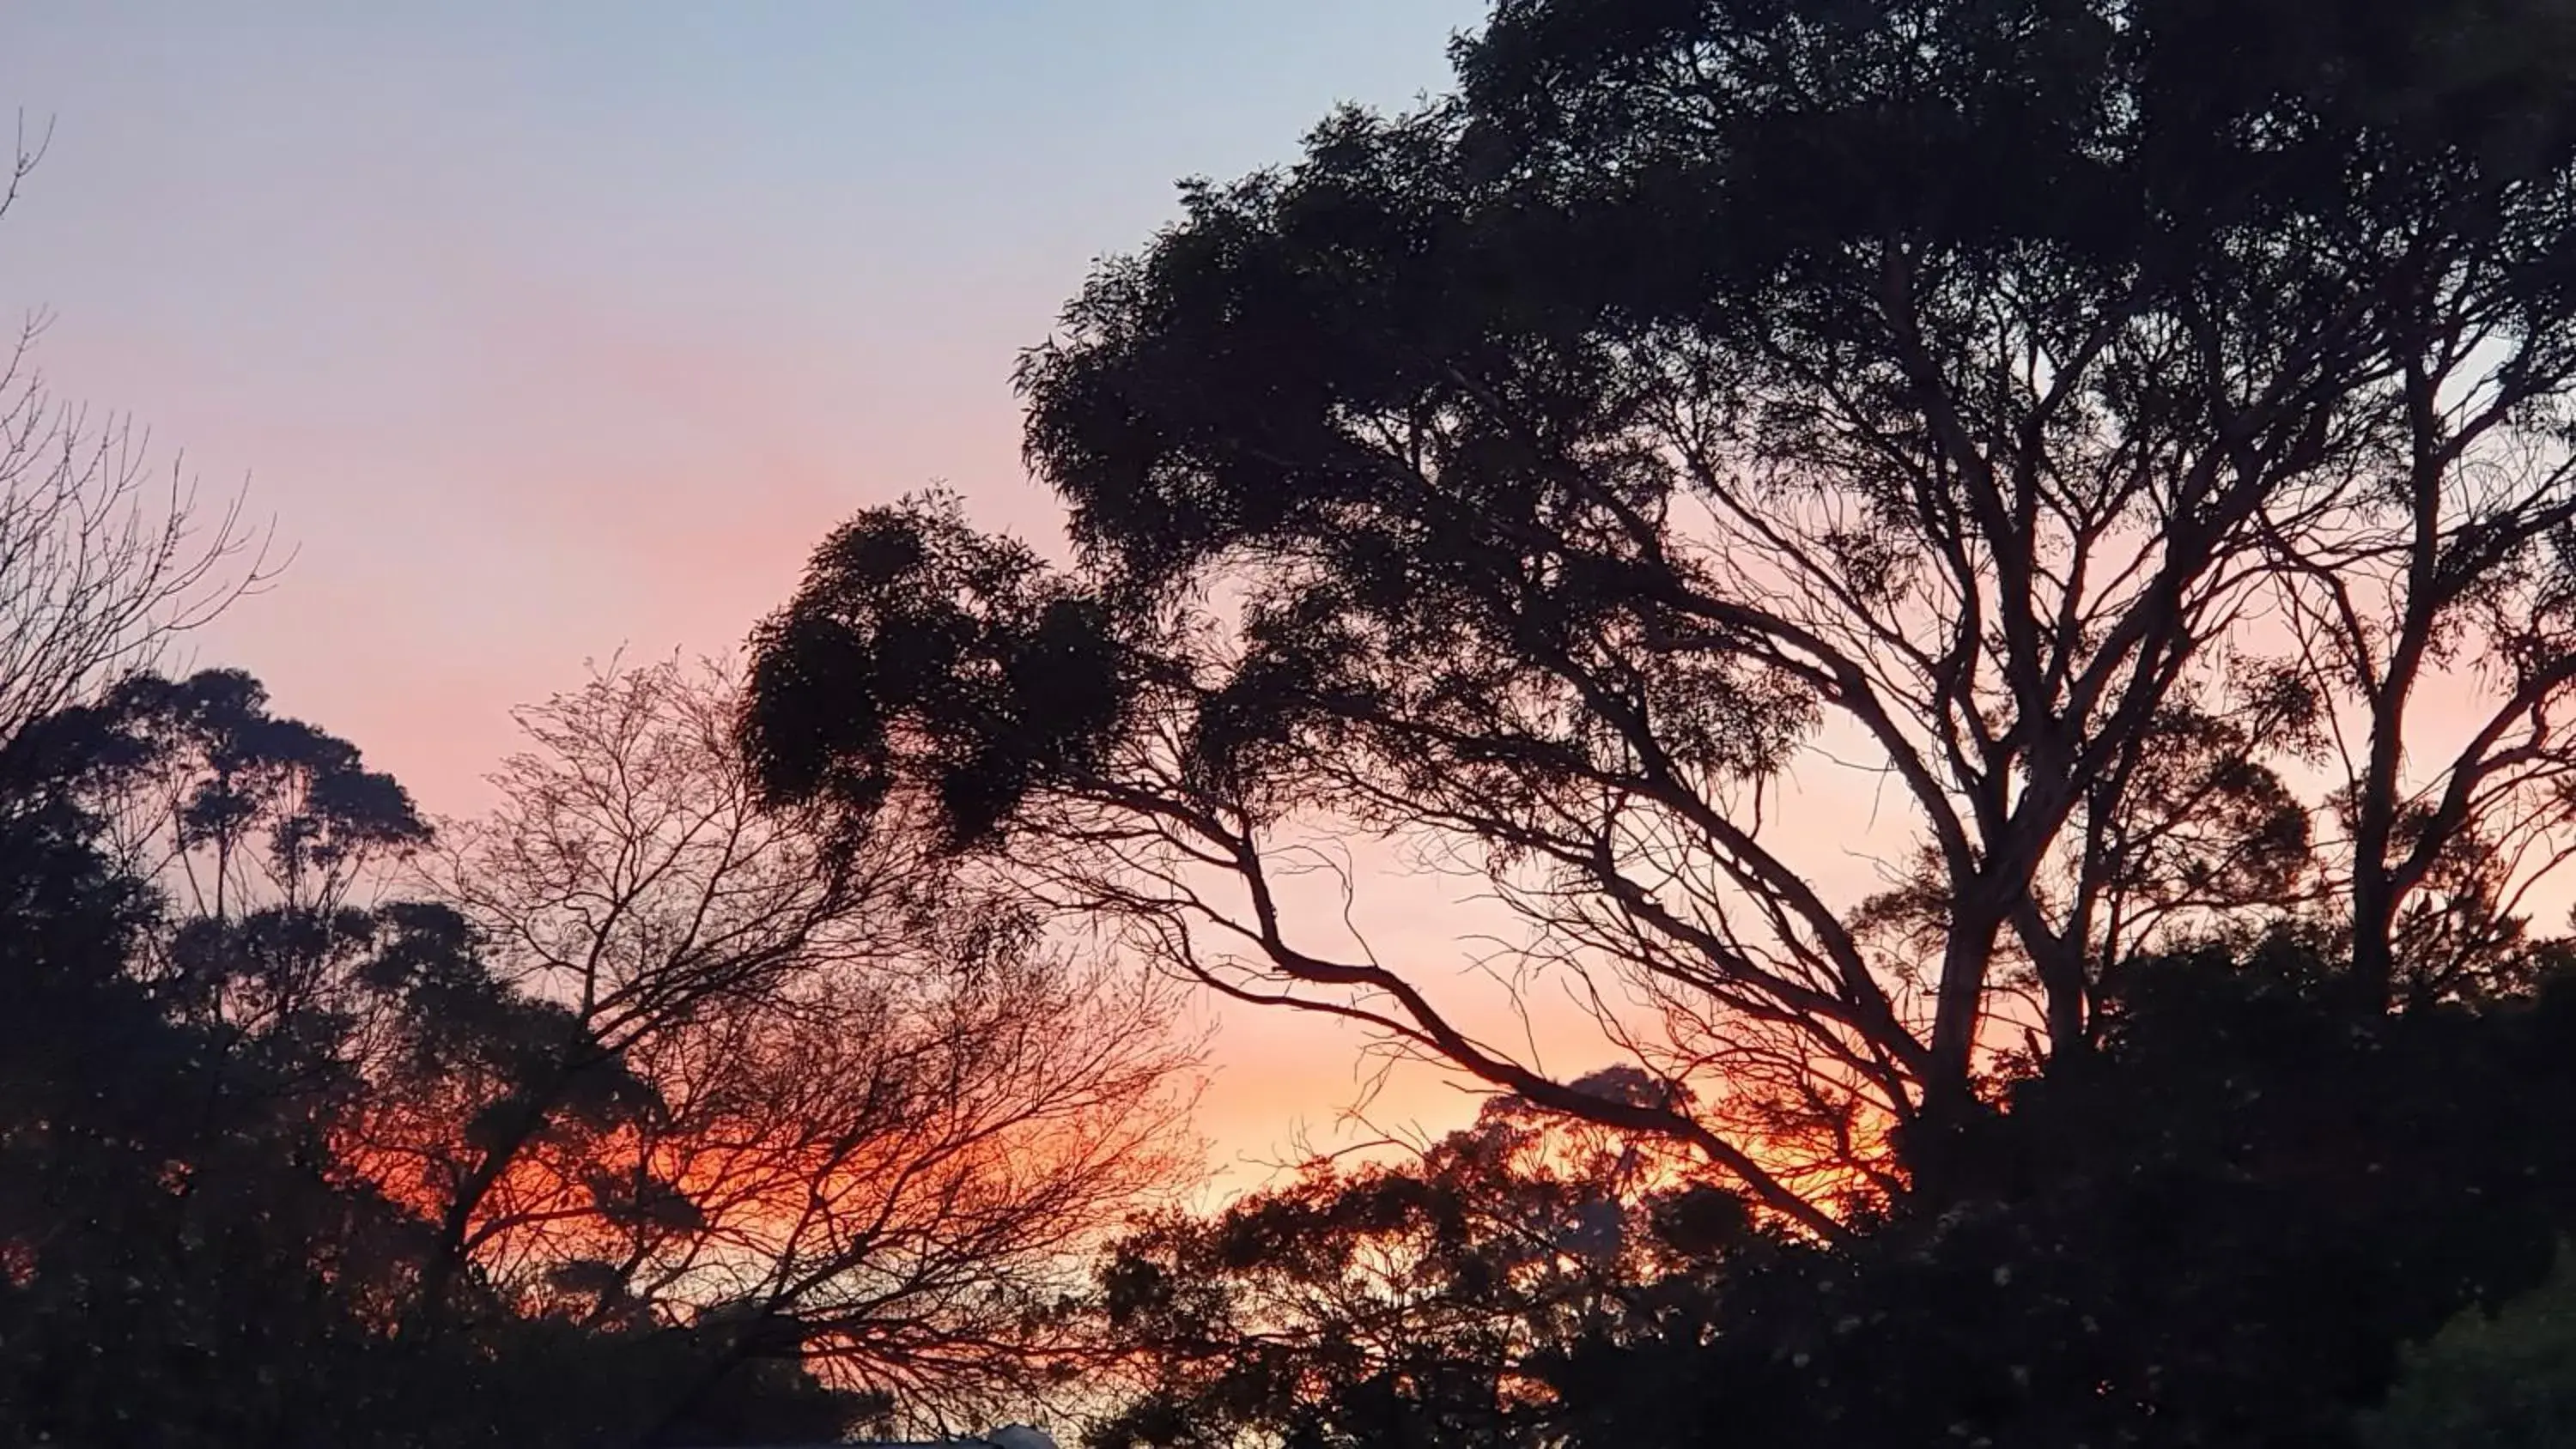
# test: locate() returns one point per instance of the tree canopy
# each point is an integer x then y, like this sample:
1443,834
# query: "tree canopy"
2222,1229
615,1118
2120,446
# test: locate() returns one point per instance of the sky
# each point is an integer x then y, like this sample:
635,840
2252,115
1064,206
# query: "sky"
539,332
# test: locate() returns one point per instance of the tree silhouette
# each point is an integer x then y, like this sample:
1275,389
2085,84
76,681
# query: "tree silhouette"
1432,1300
298,1154
2096,429
2222,1228
807,1092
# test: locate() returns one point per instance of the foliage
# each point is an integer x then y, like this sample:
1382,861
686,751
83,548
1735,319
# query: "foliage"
2221,1231
2097,429
805,1080
1428,1302
251,1072
2504,1377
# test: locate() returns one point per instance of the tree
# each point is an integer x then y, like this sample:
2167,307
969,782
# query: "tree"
189,1262
807,1097
2098,428
2221,1228
1435,1300
233,809
239,1088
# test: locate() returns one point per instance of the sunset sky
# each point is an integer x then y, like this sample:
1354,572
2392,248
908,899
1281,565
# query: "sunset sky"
542,331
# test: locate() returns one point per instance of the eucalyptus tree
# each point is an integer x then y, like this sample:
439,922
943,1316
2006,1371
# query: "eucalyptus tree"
2128,436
